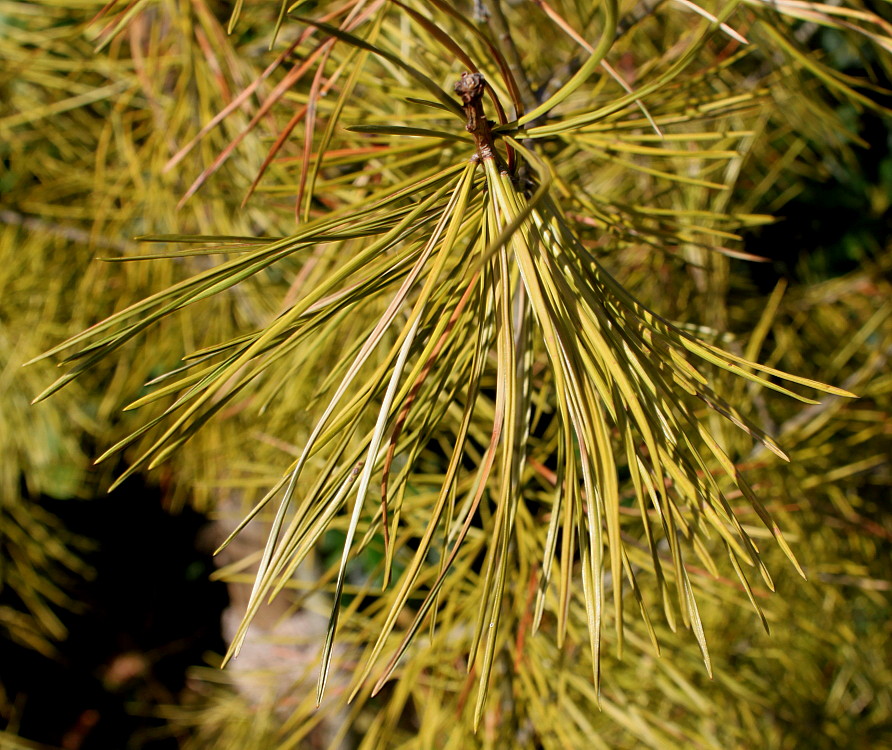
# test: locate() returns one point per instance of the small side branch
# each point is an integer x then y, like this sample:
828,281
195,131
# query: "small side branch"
470,89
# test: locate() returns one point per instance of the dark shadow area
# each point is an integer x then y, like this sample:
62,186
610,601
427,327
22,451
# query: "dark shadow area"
149,614
835,225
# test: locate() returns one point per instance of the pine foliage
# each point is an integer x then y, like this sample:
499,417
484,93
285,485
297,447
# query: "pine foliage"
445,293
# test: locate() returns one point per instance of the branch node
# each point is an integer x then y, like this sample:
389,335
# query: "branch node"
470,88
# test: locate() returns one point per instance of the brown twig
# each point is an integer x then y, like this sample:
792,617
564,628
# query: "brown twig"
470,88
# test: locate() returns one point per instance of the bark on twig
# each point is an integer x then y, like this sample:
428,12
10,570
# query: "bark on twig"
470,88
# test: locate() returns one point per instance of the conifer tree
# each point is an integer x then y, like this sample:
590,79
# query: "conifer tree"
441,310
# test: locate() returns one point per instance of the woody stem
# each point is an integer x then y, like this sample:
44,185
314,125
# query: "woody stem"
470,89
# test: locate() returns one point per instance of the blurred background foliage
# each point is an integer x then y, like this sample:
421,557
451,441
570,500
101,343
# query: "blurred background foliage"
94,118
